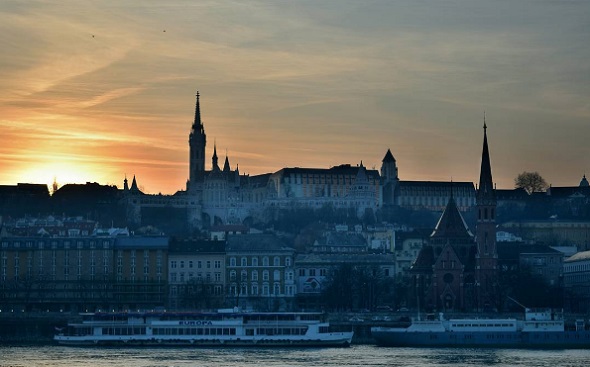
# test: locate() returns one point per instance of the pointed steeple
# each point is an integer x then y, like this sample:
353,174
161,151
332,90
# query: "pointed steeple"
197,124
134,189
215,160
361,176
197,141
226,167
485,193
388,157
125,184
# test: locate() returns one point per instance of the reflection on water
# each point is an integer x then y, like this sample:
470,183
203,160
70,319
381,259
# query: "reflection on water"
361,356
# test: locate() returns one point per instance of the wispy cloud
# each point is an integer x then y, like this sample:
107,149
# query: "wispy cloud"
111,84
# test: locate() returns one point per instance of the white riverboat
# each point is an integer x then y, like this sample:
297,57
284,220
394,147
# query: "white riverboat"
539,329
207,329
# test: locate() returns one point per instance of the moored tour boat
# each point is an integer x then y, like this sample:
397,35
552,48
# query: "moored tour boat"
223,328
541,329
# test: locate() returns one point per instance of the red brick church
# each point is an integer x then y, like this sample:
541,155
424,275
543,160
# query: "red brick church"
457,271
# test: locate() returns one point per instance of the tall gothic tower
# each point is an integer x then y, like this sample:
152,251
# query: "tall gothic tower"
486,270
197,141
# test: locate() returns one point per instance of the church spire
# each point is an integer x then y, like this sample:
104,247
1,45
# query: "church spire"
485,194
197,124
226,167
197,141
134,188
215,159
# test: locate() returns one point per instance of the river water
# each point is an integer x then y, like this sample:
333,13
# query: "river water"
360,355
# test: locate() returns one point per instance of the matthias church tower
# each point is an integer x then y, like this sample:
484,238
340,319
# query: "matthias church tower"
197,141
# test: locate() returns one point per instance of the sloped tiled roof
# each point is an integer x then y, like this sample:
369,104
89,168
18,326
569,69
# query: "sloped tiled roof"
451,225
255,243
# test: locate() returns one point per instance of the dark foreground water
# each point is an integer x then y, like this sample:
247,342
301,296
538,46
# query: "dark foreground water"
355,356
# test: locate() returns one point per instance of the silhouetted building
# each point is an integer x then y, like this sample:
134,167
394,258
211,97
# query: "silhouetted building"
22,199
486,272
456,271
443,275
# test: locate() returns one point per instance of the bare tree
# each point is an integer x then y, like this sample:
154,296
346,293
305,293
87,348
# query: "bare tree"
531,182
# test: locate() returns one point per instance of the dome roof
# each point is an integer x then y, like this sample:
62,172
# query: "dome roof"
584,182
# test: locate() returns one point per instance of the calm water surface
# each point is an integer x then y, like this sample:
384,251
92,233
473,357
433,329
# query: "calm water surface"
354,356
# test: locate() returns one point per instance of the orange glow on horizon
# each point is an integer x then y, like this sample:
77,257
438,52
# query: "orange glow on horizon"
65,172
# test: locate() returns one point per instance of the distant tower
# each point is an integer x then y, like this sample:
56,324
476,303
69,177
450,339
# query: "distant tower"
486,268
389,178
389,167
584,182
134,188
197,141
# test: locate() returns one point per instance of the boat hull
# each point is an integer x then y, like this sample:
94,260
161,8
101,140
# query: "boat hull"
565,339
342,340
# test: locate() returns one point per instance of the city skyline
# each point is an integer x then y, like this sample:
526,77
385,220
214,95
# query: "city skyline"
94,92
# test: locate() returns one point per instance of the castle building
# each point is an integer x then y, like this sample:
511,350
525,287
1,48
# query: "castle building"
222,195
343,186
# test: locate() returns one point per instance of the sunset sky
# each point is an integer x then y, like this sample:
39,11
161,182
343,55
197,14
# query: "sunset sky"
96,90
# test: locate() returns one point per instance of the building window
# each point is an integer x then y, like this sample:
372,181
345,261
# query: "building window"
265,261
254,261
232,275
265,275
287,261
255,276
232,261
244,261
277,261
217,264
